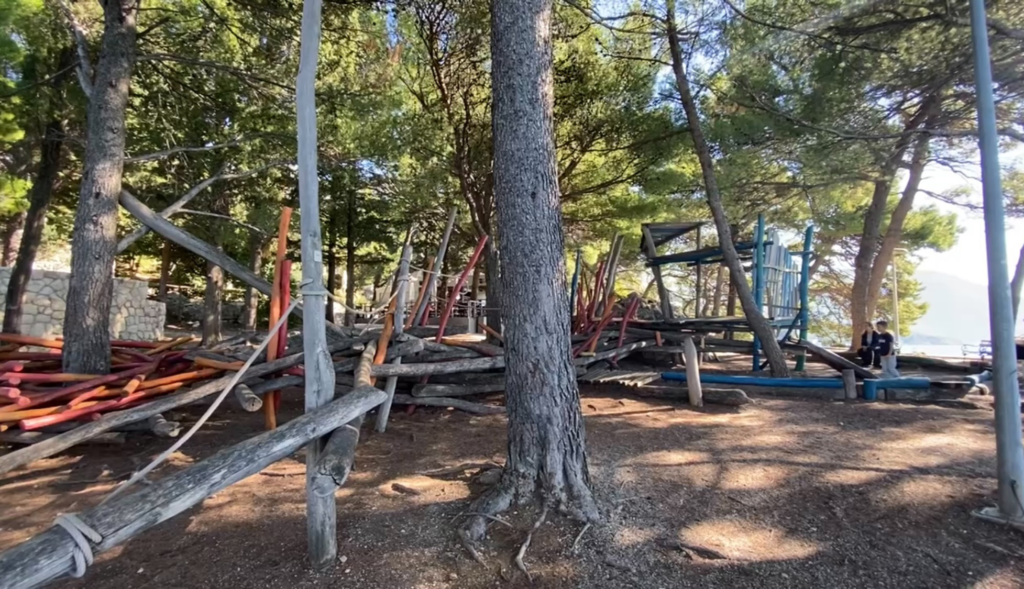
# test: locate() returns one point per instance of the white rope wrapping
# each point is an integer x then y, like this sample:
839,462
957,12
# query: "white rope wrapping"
81,533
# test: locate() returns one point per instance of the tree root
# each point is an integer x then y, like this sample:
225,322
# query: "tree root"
576,542
526,543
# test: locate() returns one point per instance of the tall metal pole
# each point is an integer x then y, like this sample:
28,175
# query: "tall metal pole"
1009,452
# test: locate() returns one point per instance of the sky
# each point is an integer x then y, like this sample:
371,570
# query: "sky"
967,259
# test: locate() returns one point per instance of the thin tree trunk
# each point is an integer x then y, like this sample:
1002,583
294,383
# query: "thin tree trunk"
547,456
894,233
350,260
869,240
12,236
332,266
35,222
251,303
213,304
716,303
165,271
772,350
1016,285
94,241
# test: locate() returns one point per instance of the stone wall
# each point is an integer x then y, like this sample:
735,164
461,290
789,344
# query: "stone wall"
132,315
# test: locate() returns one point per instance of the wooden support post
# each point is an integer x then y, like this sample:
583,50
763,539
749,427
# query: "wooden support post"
692,373
850,384
398,319
651,252
339,453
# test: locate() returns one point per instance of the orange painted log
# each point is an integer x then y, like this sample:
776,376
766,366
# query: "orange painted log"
120,343
32,356
168,345
64,393
90,411
284,303
25,340
179,378
490,331
86,396
423,292
28,413
208,363
270,408
9,392
17,378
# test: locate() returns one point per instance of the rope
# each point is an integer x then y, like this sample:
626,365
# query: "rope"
81,534
437,272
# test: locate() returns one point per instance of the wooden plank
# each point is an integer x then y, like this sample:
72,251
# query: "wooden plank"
836,361
47,556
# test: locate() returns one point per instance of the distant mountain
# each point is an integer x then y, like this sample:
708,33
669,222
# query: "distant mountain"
957,311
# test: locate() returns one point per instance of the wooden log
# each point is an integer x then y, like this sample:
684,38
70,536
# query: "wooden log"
467,406
613,354
162,428
16,378
71,391
420,313
13,338
270,408
712,396
339,453
455,366
165,346
403,349
692,373
173,233
248,400
423,292
230,366
451,354
850,384
398,323
481,348
48,555
491,332
111,421
29,438
457,390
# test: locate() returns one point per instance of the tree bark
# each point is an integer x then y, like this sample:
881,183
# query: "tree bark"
716,301
1017,284
251,303
165,271
772,350
894,233
547,457
492,272
12,236
332,265
35,222
214,295
350,260
94,241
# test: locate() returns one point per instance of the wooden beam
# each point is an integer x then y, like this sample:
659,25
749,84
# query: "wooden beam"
48,555
455,366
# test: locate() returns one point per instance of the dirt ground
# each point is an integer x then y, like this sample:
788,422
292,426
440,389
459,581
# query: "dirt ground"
781,493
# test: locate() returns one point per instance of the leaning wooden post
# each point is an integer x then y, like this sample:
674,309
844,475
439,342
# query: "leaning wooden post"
270,407
321,513
692,372
421,308
402,289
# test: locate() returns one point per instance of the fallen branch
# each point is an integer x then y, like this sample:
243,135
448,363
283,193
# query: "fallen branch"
457,390
467,406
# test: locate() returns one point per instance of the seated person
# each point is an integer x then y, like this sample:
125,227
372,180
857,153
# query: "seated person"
868,343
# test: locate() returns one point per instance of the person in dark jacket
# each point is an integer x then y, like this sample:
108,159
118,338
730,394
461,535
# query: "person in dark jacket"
869,347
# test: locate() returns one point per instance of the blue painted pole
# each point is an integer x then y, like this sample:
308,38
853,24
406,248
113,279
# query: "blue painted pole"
758,283
575,286
805,280
1006,391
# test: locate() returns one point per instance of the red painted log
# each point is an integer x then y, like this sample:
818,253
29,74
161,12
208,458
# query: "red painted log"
25,340
458,287
64,393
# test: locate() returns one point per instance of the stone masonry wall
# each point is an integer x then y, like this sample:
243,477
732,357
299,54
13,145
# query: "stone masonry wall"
132,315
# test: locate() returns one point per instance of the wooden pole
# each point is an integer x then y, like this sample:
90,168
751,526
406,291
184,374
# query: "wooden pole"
321,510
850,384
398,320
423,292
421,308
339,453
270,407
49,555
651,251
692,372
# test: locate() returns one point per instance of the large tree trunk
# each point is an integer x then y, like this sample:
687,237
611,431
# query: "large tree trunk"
1016,285
894,233
12,236
492,261
869,239
35,222
772,350
547,457
252,301
94,241
350,260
